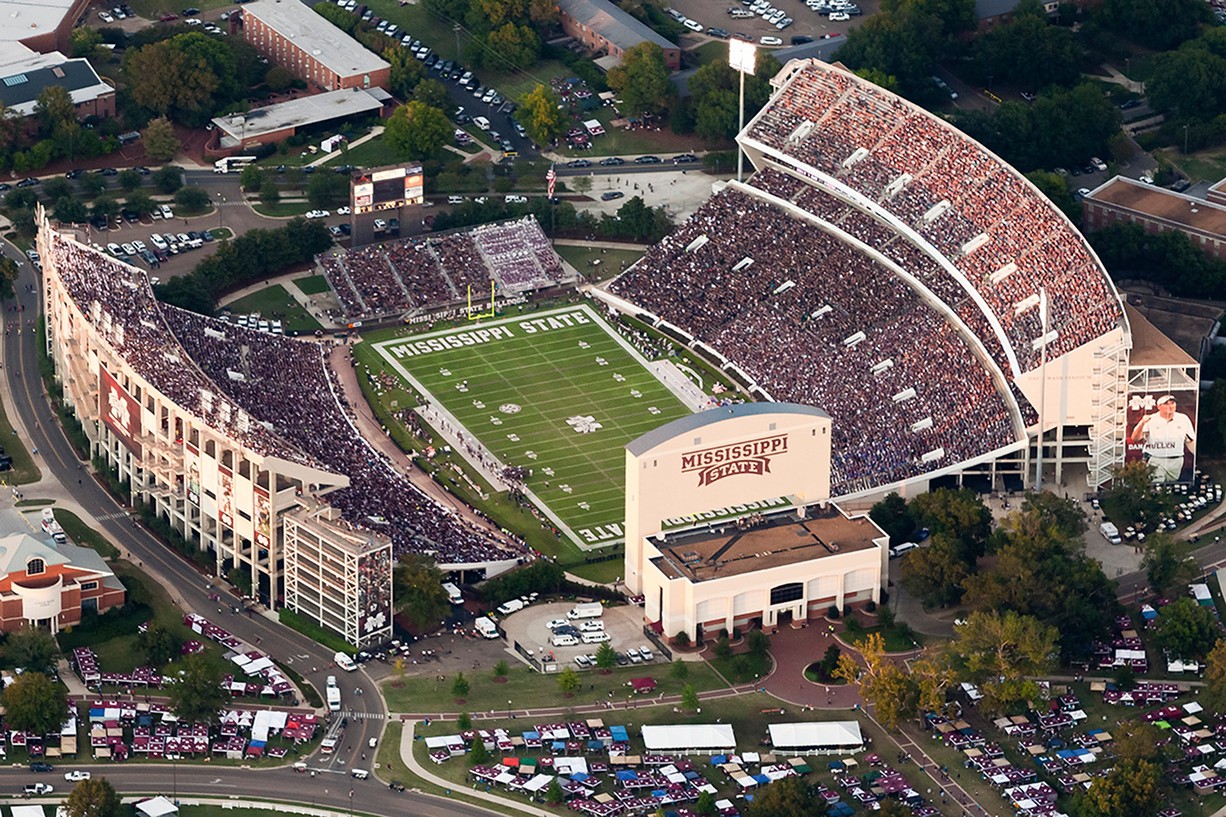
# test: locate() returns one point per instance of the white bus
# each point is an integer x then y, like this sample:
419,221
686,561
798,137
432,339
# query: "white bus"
232,163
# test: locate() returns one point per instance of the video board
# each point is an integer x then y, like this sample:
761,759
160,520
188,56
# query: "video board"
387,188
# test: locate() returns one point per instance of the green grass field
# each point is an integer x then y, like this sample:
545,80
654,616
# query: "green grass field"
275,303
556,392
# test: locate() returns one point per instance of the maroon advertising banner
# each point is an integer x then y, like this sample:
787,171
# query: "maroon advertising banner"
263,518
119,411
1162,433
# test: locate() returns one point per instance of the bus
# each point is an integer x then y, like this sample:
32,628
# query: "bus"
232,163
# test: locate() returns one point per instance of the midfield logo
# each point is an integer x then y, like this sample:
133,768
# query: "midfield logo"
750,457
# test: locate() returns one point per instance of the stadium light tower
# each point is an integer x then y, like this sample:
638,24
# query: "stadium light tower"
742,58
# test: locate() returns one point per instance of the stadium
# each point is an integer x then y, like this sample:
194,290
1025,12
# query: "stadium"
877,265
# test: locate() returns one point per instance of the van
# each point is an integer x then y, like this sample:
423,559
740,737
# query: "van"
511,606
360,774
453,593
595,638
455,199
345,662
899,550
482,123
563,640
485,627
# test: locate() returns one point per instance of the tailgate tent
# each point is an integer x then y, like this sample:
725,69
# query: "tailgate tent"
833,738
706,737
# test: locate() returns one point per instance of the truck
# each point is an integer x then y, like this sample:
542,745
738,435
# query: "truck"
1110,532
590,609
52,527
333,694
345,661
453,593
485,627
512,606
225,165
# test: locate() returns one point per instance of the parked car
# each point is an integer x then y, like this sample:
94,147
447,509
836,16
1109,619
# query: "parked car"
611,195
770,41
316,214
611,161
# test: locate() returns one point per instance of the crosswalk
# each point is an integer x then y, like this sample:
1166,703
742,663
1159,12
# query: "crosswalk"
370,716
108,517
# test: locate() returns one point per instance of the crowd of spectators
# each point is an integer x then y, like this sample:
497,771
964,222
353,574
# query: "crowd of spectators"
287,383
380,280
815,321
952,192
117,300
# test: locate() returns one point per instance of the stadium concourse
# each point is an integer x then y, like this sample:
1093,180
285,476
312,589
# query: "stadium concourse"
901,290
396,277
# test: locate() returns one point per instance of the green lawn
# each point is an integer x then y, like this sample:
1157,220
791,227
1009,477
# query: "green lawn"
313,285
624,142
24,470
531,690
152,9
282,209
527,393
605,572
83,535
274,303
611,261
371,153
1204,165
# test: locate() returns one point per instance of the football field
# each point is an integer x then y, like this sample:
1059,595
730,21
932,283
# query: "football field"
557,392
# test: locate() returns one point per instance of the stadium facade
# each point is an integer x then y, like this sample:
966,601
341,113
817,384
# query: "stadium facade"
209,426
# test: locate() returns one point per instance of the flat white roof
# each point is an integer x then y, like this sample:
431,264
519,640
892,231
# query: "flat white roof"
815,735
295,113
716,736
299,24
153,807
30,18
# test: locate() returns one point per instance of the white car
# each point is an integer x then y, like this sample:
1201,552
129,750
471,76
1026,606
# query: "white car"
592,625
342,211
647,654
139,245
113,249
514,199
770,41
106,17
488,97
1147,179
73,777
128,249
317,214
1098,163
556,623
839,17
693,25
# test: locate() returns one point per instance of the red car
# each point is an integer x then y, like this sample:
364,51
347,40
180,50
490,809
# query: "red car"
167,17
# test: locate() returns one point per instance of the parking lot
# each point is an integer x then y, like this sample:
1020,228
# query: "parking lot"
806,22
529,627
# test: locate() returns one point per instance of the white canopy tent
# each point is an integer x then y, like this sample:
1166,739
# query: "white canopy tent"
715,737
832,737
155,807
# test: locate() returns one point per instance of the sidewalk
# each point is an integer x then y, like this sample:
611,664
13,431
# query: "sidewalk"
503,804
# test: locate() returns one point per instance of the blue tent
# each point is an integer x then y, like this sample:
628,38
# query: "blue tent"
718,760
578,777
532,735
761,778
627,774
595,745
619,734
558,746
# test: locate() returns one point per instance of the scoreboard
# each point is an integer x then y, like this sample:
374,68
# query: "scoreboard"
387,188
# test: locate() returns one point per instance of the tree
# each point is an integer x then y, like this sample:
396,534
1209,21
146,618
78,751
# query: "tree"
1186,629
168,179
689,698
159,645
714,91
140,203
270,193
279,78
53,108
460,687
161,143
606,657
478,754
162,79
933,676
1213,696
406,71
1131,496
192,199
32,648
517,46
1003,653
105,207
129,180
904,43
641,80
568,681
196,693
251,177
1056,189
1130,789
95,797
705,804
959,514
679,670
91,184
417,130
1161,26
8,275
882,682
85,42
433,93
759,643
34,703
419,592
326,190
539,114
893,516
464,722
1029,48
789,797
554,793
1167,565
935,573
70,210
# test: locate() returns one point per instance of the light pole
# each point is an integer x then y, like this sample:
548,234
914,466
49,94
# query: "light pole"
1185,140
221,203
508,710
174,772
742,58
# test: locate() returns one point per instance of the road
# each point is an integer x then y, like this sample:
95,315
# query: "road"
365,713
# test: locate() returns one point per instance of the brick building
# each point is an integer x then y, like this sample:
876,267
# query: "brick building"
1157,209
44,25
293,36
24,75
602,26
52,586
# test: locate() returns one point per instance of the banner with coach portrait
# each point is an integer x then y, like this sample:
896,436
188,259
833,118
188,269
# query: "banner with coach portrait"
1161,431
